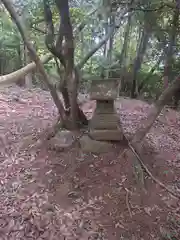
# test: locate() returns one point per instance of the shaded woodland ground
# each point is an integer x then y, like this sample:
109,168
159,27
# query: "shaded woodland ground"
47,194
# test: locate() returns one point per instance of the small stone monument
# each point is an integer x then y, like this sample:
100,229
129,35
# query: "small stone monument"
104,125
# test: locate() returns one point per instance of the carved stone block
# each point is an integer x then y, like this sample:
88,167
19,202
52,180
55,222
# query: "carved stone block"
104,121
104,106
93,146
103,89
104,125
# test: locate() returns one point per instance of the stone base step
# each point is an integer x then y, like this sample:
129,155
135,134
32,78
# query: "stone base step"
104,107
106,135
92,146
104,121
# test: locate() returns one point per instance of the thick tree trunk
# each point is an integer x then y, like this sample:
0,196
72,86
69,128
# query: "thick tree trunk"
65,53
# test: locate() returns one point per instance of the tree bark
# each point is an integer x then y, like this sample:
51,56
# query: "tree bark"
65,53
140,55
155,111
126,41
71,74
110,47
170,51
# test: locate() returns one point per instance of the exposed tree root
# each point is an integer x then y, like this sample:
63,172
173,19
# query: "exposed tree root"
77,137
137,155
47,134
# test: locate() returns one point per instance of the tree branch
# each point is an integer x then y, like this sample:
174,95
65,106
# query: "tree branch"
50,38
139,7
15,76
145,80
155,111
99,45
66,32
137,155
35,58
96,48
38,29
80,27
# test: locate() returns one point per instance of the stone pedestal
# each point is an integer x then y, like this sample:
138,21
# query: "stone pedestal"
105,124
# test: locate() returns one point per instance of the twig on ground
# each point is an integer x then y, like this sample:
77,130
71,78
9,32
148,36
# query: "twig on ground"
134,151
123,153
137,155
127,202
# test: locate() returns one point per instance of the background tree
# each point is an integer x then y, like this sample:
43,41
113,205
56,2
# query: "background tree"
132,41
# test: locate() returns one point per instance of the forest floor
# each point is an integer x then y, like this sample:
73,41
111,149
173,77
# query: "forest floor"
42,198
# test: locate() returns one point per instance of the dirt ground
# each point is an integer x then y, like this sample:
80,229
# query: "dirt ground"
46,194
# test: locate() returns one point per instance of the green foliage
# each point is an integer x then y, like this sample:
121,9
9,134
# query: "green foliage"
9,43
159,23
153,85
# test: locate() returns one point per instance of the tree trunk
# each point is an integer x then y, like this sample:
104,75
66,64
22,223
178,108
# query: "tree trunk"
28,77
27,81
140,54
110,47
122,57
36,59
155,111
170,51
144,81
65,53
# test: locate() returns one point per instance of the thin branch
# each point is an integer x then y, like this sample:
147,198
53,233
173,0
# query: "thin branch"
137,155
145,80
38,21
35,58
80,27
38,29
127,202
96,48
144,9
100,44
148,9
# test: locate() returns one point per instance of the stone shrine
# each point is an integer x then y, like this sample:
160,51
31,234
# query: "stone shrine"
104,125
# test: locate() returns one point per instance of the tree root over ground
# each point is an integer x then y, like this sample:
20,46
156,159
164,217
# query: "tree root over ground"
52,131
136,153
32,178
